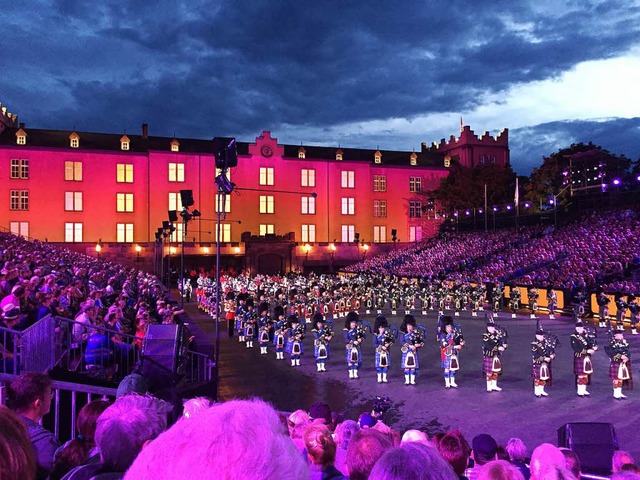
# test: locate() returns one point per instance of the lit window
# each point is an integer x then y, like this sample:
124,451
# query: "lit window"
308,233
124,202
21,139
379,183
175,202
73,201
447,161
266,176
73,232
415,209
175,145
19,168
379,208
377,157
74,142
73,171
266,203
176,236
225,228
124,173
413,159
176,172
348,206
124,232
266,229
302,153
339,155
415,184
348,179
379,234
124,143
19,200
227,202
415,234
19,228
308,206
348,233
308,178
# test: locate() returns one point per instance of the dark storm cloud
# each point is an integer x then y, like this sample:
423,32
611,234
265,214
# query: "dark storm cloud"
237,67
530,144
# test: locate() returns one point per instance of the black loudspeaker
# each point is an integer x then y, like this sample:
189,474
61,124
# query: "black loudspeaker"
186,197
226,152
594,443
173,216
164,354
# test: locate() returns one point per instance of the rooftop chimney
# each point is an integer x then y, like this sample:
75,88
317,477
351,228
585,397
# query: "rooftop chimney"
22,126
145,131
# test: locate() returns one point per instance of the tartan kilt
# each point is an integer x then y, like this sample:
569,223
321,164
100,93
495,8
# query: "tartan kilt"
316,350
487,366
348,356
535,372
613,374
578,366
378,360
415,355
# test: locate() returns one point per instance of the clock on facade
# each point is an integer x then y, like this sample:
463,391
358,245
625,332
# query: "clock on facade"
266,151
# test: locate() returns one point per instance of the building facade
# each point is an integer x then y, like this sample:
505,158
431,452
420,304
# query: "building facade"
89,188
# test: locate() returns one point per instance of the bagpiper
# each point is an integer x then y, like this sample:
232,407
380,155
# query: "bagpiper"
514,300
412,340
294,344
496,299
451,342
621,310
603,309
240,311
620,369
322,335
382,340
552,302
280,334
494,342
634,310
584,344
264,327
543,350
249,320
354,335
533,296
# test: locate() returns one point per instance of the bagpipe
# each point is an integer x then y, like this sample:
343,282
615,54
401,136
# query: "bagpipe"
281,330
388,339
419,334
326,333
296,343
619,348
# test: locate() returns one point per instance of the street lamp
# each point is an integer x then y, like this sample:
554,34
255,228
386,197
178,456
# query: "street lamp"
365,249
138,250
307,249
237,250
98,249
205,250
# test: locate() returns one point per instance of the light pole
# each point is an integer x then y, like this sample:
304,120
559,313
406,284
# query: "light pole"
98,249
332,252
365,249
138,250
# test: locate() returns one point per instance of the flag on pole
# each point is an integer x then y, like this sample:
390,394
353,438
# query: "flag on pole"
516,198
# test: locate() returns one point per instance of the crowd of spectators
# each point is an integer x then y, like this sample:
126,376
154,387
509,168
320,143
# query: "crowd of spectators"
111,305
599,249
136,438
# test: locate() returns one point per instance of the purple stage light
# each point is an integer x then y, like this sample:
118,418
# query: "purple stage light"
495,209
508,207
616,181
467,213
480,210
551,201
527,204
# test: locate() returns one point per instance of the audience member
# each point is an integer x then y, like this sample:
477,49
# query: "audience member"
123,429
321,450
82,449
342,436
194,406
499,470
483,450
518,454
454,452
545,459
620,458
365,448
321,413
29,396
17,461
298,422
414,436
235,440
573,462
412,460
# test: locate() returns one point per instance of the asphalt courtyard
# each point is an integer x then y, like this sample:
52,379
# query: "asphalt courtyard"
514,412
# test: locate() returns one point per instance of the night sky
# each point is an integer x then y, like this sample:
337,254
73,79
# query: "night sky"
369,73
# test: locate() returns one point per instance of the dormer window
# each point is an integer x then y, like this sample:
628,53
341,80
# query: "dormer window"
124,142
413,159
339,154
175,145
377,157
447,161
302,153
74,140
21,136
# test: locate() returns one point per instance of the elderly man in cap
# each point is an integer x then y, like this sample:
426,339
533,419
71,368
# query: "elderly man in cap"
483,450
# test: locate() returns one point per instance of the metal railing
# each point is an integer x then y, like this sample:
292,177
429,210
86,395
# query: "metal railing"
29,350
9,351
